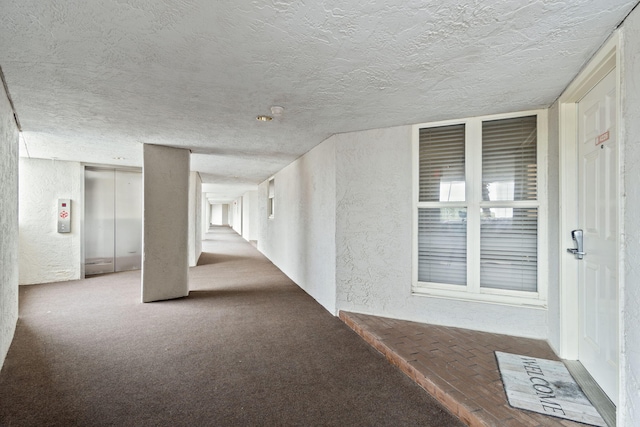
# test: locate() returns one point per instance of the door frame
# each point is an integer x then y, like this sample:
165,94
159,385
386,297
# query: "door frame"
607,59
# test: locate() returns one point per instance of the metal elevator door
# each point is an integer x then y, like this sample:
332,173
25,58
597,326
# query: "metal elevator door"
113,220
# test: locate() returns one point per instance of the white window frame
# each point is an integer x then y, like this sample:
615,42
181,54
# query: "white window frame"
473,176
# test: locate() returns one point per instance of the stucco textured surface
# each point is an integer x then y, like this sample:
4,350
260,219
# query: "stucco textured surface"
165,251
46,255
374,241
8,225
300,238
373,213
92,80
630,296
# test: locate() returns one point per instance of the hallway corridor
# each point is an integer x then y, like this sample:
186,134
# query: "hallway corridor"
247,347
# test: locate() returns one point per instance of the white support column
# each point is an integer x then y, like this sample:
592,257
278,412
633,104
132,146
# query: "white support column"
9,239
195,220
205,215
165,251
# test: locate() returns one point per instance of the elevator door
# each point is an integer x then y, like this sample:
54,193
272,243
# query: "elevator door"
113,220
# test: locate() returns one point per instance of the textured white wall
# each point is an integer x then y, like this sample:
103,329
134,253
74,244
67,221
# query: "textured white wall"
46,255
374,241
300,239
8,225
165,243
250,215
630,294
195,218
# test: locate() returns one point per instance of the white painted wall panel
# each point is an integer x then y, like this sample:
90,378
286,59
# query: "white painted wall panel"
374,241
8,225
630,293
46,255
300,238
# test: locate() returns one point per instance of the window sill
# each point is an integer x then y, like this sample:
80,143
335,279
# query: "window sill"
517,299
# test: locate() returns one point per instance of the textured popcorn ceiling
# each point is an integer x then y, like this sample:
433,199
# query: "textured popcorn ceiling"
92,80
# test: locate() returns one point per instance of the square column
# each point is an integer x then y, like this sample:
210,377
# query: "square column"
165,237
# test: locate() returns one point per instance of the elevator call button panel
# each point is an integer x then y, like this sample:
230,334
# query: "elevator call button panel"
64,215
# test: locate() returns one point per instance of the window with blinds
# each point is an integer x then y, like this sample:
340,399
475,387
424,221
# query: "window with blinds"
509,159
442,230
442,164
508,235
477,207
442,245
509,251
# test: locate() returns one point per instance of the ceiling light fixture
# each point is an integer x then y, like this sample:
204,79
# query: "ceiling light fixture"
264,118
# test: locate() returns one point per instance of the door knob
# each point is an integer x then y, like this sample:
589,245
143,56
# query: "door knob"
578,251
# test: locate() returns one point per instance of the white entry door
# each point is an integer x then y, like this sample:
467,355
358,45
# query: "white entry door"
598,218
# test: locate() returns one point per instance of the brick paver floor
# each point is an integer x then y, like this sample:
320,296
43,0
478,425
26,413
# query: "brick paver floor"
457,366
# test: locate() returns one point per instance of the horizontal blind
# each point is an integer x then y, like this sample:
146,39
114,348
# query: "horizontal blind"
509,160
442,163
509,250
442,245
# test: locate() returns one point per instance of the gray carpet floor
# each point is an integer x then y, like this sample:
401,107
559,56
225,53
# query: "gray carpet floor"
247,348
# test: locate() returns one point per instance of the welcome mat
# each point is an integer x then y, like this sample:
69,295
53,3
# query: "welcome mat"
545,386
